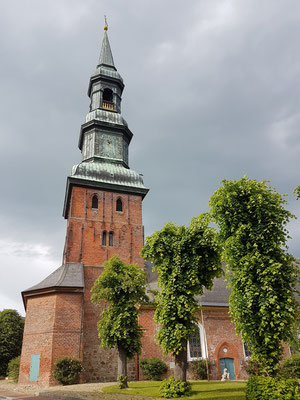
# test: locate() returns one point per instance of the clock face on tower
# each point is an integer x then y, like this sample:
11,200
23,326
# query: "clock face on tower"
111,146
107,149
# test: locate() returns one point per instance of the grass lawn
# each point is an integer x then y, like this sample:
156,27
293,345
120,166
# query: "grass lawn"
200,390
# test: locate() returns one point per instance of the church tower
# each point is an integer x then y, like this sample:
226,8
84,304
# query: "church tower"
103,208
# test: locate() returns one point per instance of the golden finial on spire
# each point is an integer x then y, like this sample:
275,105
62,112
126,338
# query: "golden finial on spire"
106,24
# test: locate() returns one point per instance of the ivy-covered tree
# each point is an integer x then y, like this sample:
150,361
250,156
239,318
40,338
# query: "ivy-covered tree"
297,192
11,336
122,287
187,260
262,275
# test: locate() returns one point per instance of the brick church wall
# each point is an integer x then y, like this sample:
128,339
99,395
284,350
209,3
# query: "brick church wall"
220,335
84,244
52,330
222,341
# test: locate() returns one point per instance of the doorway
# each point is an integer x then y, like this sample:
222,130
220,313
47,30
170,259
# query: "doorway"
229,364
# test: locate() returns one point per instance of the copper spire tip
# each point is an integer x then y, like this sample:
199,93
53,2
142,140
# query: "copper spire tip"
105,23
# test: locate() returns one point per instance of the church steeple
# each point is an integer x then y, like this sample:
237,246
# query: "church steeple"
105,137
106,57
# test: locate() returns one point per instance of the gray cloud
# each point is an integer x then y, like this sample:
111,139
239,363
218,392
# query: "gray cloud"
211,93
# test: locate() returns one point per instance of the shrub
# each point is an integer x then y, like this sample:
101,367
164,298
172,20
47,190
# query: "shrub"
172,387
153,368
269,388
253,368
123,381
13,369
291,367
67,370
199,369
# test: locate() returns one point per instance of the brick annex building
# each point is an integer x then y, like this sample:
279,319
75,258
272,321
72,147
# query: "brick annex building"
103,208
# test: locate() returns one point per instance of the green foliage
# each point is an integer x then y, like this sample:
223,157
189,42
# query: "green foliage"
13,369
252,219
253,368
200,370
123,382
187,260
172,387
11,335
66,370
153,368
122,287
291,367
297,192
270,388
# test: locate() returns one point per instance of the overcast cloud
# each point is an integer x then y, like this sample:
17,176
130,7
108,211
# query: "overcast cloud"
212,92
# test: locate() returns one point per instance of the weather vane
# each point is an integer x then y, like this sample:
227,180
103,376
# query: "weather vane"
106,24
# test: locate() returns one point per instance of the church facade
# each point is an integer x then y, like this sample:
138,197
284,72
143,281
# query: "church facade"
103,209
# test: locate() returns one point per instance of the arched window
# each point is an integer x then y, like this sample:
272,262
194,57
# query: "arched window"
107,95
111,239
104,238
119,206
196,344
95,201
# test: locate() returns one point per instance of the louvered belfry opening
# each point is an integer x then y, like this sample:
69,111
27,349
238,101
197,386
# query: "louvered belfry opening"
107,102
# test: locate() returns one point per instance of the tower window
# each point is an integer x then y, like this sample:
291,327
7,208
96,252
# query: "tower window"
111,239
107,95
119,205
95,201
104,238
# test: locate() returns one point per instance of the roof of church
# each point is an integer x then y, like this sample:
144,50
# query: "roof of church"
106,116
106,65
109,172
106,57
217,296
69,275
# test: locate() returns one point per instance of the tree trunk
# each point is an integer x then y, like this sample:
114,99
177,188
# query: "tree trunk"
122,365
181,365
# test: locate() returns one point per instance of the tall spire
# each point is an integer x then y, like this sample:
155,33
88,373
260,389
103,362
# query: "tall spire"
106,57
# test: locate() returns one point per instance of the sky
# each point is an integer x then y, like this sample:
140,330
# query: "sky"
211,92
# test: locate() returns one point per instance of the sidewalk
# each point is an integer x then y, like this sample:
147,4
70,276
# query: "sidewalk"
19,396
87,391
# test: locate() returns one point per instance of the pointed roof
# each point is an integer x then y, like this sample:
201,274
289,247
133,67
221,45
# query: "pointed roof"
106,57
68,275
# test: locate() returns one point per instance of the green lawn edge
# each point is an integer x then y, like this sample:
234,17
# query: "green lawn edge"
202,390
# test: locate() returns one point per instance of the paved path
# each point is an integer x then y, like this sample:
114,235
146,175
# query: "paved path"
20,396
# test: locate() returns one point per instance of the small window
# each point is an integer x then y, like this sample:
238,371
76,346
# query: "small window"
111,239
196,344
95,201
119,206
104,238
107,95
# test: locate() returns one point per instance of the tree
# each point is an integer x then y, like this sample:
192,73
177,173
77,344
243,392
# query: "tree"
262,275
122,287
297,192
187,259
11,335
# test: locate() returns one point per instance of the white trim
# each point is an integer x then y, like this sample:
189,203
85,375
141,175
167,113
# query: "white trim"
203,345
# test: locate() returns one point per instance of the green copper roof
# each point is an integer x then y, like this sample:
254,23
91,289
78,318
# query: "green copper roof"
106,66
108,172
106,57
106,116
